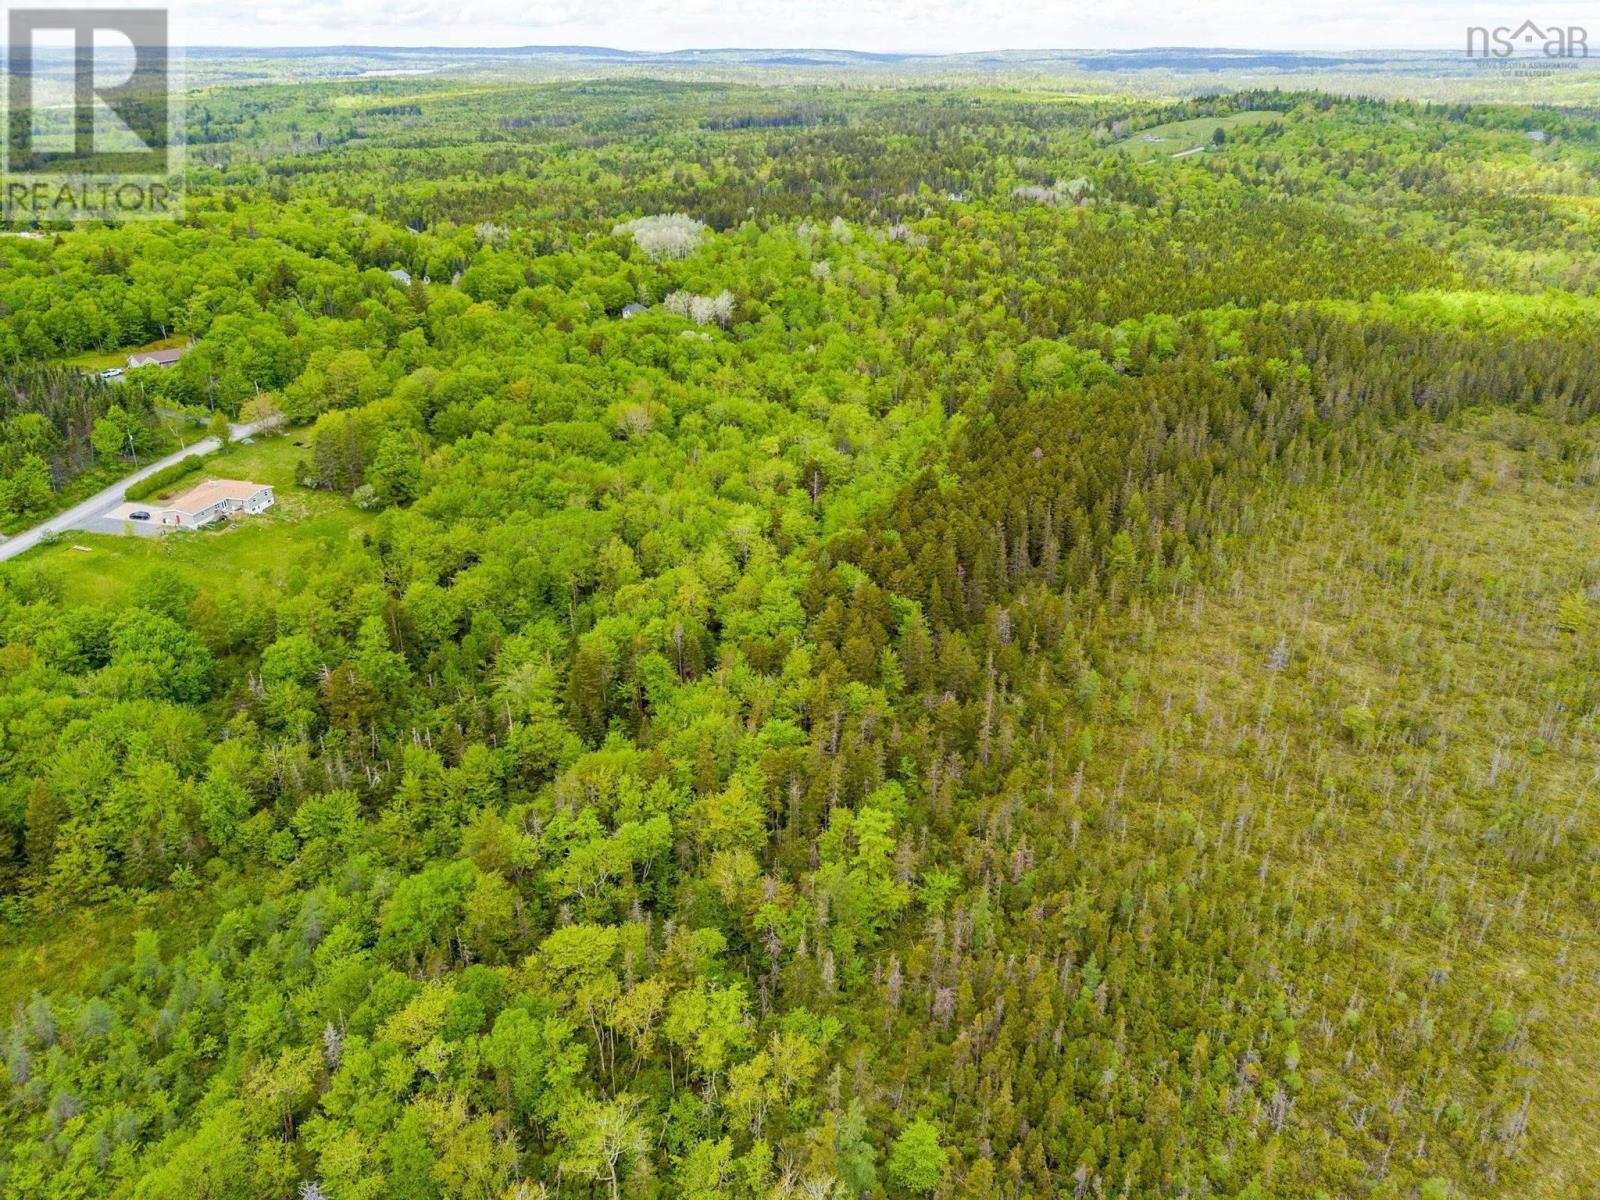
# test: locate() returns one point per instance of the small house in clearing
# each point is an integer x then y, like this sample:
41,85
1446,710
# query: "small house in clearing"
156,358
213,500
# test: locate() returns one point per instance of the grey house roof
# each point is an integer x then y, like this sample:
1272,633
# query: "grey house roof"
157,358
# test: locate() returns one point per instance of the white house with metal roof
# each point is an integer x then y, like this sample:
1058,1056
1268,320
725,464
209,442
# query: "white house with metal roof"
213,500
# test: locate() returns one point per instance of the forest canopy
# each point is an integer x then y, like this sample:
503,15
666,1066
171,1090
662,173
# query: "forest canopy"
852,644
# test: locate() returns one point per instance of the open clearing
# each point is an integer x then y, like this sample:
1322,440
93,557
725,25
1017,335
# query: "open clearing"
100,361
245,553
1179,138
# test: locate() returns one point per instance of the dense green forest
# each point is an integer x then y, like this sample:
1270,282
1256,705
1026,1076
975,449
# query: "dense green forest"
1019,667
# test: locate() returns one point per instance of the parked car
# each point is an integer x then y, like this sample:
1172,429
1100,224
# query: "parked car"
111,373
141,515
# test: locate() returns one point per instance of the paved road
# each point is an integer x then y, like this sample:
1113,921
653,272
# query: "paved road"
90,515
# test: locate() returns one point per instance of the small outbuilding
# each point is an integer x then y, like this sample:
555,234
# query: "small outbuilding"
633,310
214,499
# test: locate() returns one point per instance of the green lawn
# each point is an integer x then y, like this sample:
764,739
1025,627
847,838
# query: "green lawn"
1176,137
242,552
263,460
100,361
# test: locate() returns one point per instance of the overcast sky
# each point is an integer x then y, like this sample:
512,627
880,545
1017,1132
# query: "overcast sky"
905,25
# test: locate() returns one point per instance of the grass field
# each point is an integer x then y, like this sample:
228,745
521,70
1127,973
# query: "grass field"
1180,137
246,553
264,460
100,361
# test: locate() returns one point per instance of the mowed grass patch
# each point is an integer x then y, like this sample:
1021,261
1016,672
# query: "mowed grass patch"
272,460
103,360
244,554
1176,137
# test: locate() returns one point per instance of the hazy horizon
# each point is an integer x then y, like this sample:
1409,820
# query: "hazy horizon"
821,48
870,26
